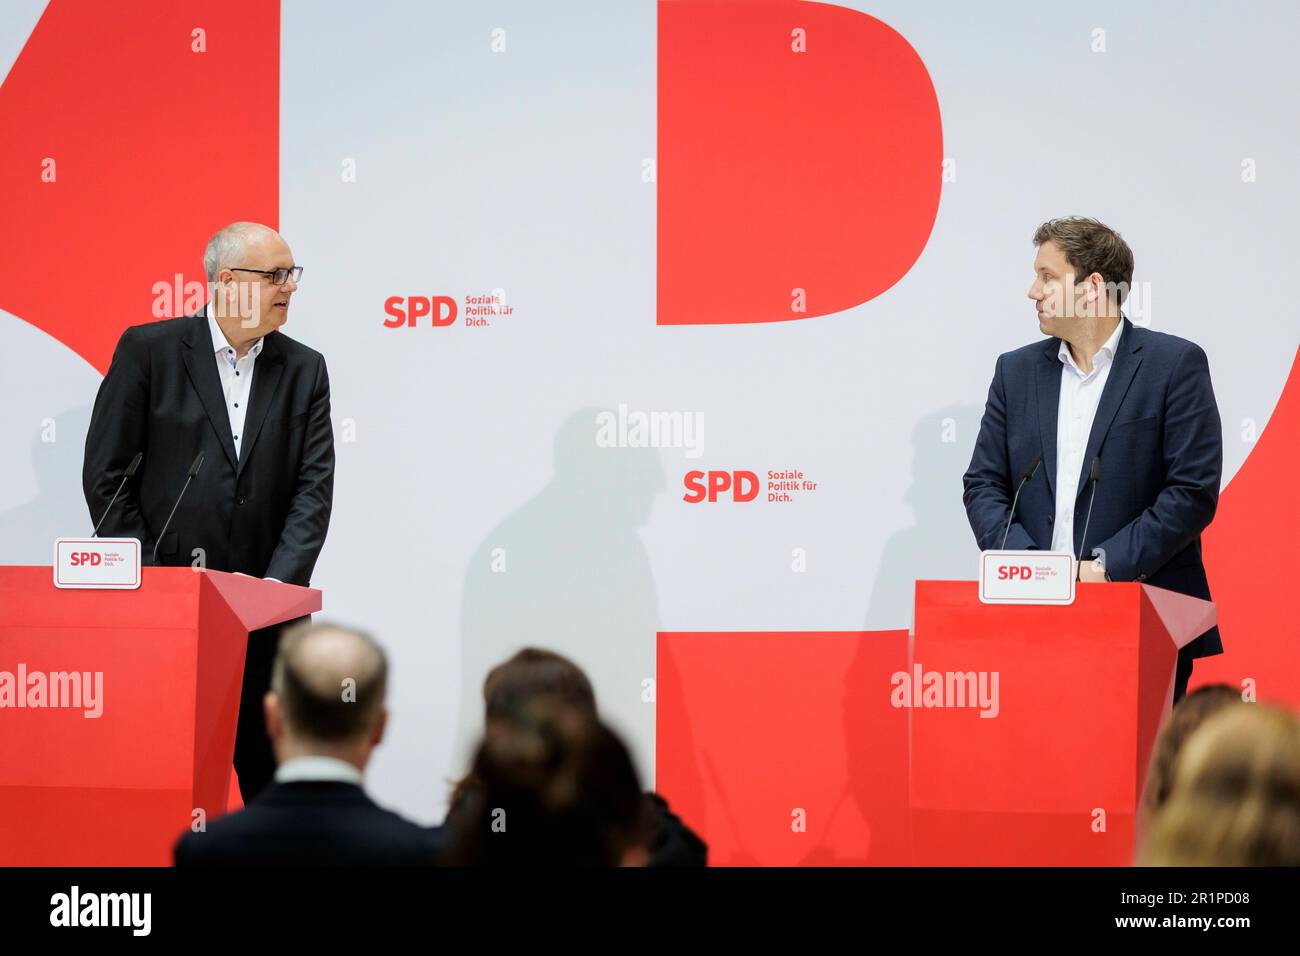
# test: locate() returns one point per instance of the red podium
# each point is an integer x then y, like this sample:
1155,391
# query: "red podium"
116,789
1055,776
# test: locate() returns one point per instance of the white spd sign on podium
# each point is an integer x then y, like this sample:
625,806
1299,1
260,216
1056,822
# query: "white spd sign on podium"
105,563
1027,577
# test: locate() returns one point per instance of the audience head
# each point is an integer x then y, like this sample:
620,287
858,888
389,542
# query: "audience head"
327,694
1188,714
1235,798
533,673
552,786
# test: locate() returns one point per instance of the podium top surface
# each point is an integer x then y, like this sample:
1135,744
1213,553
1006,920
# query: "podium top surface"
167,597
1183,616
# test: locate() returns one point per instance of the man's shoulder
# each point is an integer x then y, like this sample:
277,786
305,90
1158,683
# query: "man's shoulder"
220,835
272,805
294,350
161,330
1025,356
278,821
1164,343
1032,350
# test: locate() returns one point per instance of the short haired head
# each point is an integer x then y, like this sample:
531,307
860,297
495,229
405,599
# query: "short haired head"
247,302
329,683
1091,247
230,244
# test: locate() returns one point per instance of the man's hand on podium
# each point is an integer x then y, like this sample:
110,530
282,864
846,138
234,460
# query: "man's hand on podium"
1092,571
243,575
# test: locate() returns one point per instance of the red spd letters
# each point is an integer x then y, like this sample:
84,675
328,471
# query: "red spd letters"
439,309
701,485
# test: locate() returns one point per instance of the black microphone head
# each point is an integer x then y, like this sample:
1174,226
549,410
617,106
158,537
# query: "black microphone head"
198,461
1033,469
135,463
1096,468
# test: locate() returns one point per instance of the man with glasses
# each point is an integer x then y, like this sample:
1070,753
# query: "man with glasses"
228,383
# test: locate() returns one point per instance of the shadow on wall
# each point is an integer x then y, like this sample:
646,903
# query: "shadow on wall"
568,571
938,544
27,532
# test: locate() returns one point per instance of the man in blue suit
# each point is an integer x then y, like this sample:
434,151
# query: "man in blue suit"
1137,403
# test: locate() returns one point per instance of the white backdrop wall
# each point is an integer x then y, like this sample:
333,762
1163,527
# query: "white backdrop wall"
521,171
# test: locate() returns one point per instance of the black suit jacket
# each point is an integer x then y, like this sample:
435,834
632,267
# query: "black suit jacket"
1160,441
309,823
264,513
672,842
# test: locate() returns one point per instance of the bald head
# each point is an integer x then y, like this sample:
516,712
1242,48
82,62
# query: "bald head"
236,243
331,683
242,262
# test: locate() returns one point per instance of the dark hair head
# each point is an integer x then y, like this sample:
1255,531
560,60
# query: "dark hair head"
1189,714
331,682
533,672
1090,246
551,786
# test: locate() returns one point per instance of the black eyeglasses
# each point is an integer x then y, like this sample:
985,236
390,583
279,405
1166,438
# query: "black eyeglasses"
278,276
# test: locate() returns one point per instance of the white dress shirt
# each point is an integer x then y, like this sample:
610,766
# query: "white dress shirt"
236,377
1080,395
317,769
236,380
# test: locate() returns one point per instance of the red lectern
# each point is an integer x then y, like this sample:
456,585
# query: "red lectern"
1054,776
117,788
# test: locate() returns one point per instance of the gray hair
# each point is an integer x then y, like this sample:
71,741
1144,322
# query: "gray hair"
228,245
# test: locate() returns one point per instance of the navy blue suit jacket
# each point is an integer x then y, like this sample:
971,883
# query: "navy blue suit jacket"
1158,435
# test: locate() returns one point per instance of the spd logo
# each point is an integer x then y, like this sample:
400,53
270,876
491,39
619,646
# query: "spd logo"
708,485
440,310
1014,572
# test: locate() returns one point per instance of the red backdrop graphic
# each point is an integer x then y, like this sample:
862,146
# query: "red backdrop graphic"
781,170
155,148
1250,563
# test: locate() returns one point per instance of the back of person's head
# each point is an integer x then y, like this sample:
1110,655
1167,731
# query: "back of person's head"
531,673
553,786
1188,714
327,693
515,683
1235,799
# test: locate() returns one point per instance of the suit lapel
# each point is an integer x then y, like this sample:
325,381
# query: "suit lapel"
1126,362
1048,383
201,364
266,379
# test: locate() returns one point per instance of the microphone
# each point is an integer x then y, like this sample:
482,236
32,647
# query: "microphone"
126,475
1096,472
1029,473
194,470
